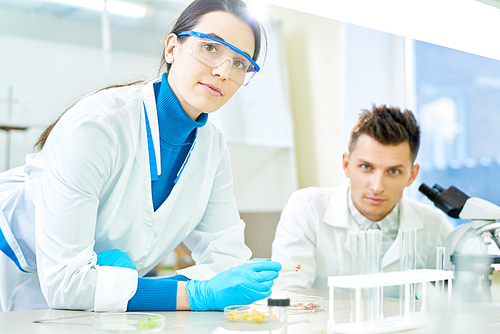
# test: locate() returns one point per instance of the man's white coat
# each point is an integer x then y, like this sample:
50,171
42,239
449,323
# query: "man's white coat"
314,232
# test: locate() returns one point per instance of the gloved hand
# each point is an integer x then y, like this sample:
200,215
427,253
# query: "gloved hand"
239,285
115,258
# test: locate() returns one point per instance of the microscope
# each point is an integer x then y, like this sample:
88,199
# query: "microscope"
470,247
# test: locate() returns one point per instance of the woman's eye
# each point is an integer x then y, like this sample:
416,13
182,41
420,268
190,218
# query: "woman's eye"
210,47
240,65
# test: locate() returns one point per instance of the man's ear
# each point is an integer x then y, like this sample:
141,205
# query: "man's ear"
171,43
345,164
413,174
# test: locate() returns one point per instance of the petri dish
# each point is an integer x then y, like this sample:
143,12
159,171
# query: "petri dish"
247,313
128,322
309,303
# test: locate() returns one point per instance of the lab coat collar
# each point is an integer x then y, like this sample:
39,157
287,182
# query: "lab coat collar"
407,215
148,94
337,210
407,219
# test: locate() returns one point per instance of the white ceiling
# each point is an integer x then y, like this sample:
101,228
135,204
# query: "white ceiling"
466,25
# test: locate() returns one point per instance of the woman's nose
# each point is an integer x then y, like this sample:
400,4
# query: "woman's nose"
223,69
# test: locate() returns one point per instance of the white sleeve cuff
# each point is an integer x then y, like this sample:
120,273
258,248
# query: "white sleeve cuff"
115,286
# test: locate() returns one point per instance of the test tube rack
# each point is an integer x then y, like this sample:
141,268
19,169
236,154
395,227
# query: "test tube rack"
381,280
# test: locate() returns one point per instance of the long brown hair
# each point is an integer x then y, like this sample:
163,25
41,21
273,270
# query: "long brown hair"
186,21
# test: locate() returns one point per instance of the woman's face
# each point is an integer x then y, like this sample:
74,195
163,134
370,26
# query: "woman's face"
198,87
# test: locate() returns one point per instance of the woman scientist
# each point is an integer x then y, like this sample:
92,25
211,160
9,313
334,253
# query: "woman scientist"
128,173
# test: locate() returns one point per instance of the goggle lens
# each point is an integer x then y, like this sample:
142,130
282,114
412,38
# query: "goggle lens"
215,53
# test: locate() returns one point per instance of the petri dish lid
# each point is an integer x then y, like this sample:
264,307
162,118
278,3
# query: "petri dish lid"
128,322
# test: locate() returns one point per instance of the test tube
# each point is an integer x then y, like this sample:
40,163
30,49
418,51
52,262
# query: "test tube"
365,252
407,261
440,260
374,266
366,258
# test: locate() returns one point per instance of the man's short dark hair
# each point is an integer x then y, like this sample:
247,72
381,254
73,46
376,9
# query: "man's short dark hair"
388,126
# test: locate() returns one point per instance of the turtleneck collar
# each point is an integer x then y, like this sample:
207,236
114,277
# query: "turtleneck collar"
174,123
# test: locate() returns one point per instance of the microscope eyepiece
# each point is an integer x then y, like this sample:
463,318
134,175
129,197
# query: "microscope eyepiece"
450,201
431,194
438,188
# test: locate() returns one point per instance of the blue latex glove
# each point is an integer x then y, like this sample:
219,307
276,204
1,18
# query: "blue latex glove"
239,285
115,258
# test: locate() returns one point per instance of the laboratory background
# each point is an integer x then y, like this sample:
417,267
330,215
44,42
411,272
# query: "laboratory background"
325,61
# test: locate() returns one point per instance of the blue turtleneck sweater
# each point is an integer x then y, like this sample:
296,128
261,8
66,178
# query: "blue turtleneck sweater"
177,134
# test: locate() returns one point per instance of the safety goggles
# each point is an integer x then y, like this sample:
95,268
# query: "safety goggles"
214,52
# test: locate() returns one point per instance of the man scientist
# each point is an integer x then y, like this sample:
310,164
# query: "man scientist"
315,224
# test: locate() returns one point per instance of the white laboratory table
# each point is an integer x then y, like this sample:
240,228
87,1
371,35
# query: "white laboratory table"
21,322
184,322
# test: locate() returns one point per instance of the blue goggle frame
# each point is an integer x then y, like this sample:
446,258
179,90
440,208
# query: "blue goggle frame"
255,68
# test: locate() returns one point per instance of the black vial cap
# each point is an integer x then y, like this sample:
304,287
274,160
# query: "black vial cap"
278,302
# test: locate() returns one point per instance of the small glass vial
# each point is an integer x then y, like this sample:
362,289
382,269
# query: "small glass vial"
278,313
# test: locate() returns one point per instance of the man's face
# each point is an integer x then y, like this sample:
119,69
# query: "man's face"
379,173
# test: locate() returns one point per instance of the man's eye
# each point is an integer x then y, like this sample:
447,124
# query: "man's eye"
365,167
394,171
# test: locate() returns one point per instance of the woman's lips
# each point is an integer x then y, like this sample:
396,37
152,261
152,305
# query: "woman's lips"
211,89
375,200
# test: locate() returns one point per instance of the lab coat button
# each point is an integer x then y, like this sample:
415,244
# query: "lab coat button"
149,225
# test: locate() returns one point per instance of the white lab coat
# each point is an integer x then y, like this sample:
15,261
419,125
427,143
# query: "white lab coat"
314,228
89,191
